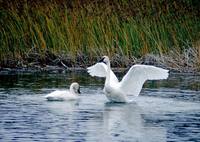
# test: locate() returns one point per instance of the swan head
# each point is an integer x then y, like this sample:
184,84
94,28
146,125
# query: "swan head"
75,87
105,60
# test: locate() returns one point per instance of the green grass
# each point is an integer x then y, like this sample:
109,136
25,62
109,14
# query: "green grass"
71,32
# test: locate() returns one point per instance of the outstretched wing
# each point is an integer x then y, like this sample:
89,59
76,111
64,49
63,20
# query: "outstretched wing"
100,70
133,81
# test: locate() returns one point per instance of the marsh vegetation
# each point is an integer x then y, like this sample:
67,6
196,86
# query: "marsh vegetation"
76,33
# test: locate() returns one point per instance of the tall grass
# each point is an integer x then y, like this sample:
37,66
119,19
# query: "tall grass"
93,30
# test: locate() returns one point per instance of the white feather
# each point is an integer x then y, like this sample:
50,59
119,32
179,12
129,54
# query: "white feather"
60,95
131,83
134,79
63,95
100,70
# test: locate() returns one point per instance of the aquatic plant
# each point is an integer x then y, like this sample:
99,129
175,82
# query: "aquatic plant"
34,31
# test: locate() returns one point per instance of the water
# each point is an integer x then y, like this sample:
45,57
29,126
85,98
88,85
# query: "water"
166,110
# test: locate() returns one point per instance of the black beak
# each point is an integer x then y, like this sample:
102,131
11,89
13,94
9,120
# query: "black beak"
79,91
101,60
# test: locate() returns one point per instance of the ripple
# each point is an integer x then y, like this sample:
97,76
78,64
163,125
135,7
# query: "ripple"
159,114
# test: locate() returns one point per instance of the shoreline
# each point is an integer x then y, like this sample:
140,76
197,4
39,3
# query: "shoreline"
173,61
61,70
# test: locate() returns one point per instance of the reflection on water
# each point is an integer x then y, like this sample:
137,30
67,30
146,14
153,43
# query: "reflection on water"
125,121
166,110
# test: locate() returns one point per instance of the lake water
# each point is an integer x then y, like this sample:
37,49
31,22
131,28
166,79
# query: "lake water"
167,110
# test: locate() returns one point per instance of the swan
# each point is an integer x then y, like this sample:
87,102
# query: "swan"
131,83
71,94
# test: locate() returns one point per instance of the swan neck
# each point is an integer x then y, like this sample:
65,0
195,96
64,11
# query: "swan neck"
108,73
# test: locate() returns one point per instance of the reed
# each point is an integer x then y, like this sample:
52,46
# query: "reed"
124,28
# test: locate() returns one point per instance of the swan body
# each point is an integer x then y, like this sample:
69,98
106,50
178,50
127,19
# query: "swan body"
131,83
65,95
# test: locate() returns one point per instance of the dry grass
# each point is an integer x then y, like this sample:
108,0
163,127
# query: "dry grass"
79,32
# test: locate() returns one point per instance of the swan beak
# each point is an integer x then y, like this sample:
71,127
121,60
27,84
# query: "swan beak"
101,60
79,91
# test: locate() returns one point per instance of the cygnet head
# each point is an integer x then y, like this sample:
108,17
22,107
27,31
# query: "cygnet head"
105,60
75,88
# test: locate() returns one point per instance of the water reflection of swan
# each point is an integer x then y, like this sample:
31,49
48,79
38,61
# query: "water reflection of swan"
132,82
71,94
125,121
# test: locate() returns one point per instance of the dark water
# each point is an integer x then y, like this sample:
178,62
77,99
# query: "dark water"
166,110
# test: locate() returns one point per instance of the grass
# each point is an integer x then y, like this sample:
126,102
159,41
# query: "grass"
40,33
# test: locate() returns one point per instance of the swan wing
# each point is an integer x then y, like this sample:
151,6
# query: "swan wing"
100,70
60,96
134,79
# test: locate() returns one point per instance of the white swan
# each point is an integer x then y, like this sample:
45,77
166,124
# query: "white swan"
71,94
131,83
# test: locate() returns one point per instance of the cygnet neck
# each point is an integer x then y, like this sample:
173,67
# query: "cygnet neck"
71,89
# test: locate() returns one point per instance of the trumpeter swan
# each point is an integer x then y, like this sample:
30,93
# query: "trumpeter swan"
131,83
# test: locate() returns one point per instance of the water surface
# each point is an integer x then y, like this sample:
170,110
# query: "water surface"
167,110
